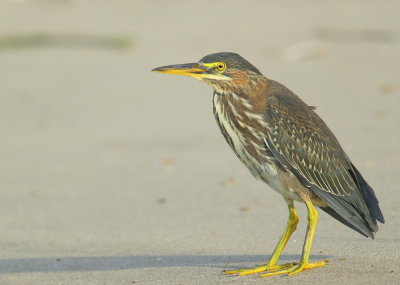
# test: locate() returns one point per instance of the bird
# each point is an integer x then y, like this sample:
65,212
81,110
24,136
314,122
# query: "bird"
285,144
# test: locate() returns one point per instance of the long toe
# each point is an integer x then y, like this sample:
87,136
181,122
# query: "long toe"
259,268
246,271
294,269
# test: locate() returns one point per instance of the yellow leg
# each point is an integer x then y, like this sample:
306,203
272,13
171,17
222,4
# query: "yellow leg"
271,265
304,264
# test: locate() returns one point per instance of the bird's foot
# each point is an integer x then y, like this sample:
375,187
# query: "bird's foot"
271,270
259,268
294,268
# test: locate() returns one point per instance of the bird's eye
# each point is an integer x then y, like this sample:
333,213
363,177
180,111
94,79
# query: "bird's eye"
221,66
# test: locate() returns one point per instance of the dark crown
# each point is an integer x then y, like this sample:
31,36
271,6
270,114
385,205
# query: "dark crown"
232,60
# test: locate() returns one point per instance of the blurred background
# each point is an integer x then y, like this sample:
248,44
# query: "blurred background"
111,174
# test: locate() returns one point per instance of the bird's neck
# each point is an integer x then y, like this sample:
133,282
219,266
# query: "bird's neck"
240,116
246,96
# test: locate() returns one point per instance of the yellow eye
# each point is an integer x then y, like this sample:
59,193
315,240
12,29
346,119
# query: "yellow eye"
221,66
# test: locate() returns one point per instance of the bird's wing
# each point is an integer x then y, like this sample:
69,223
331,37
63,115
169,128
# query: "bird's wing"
304,145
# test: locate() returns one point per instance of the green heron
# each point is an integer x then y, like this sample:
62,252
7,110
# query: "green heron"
285,144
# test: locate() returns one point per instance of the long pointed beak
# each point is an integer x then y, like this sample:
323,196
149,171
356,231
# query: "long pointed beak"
188,69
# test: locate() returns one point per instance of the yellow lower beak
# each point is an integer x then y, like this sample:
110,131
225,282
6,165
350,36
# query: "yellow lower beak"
188,69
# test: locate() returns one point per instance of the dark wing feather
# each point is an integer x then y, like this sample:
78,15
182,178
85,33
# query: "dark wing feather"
304,145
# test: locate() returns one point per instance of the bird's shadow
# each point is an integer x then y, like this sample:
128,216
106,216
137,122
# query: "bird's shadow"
104,263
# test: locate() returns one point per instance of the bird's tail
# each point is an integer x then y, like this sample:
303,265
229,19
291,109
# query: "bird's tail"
369,197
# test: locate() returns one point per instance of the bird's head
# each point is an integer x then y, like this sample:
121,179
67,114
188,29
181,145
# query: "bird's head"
224,71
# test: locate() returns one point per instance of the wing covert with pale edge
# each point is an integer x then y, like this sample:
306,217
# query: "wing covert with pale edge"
304,145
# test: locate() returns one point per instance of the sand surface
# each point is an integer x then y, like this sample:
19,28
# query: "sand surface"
112,174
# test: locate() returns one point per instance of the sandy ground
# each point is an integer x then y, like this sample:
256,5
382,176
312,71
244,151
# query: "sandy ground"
111,174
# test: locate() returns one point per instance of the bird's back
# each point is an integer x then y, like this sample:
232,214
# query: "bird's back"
305,146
